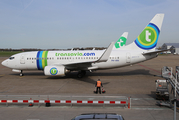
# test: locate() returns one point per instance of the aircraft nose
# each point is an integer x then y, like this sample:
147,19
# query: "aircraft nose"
4,63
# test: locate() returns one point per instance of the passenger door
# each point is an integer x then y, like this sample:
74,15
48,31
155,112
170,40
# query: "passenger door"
22,59
128,58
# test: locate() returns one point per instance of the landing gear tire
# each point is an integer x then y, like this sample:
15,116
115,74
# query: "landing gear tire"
81,73
21,74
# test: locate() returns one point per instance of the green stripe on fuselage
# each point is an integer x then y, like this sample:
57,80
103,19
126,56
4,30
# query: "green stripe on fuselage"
44,59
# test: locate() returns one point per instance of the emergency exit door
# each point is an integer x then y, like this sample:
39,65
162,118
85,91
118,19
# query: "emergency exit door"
128,58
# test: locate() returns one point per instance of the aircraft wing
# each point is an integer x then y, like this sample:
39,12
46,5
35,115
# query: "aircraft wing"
157,51
103,58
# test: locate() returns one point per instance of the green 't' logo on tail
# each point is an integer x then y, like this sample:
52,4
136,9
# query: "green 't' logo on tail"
121,42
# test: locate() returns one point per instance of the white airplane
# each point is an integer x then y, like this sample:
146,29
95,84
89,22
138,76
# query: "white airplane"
58,63
117,46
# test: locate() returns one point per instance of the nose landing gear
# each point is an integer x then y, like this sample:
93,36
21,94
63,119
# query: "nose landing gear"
21,74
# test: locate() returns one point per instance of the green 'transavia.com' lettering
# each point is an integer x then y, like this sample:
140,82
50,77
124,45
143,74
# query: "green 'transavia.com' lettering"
75,54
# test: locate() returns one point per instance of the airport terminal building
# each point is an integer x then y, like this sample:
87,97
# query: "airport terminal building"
173,46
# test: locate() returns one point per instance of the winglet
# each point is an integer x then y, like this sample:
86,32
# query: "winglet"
121,42
106,54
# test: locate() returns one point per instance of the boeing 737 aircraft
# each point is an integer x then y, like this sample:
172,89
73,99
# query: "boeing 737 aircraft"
58,63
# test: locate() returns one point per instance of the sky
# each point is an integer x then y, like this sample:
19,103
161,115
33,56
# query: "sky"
63,24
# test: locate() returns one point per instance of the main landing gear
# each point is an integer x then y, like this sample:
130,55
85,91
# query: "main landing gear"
21,74
81,73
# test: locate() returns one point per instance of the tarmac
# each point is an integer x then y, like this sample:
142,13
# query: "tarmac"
136,81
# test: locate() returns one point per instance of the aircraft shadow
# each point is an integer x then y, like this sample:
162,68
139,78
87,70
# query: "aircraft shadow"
123,73
30,74
86,78
97,73
74,77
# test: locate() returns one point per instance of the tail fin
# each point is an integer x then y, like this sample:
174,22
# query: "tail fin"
121,42
148,38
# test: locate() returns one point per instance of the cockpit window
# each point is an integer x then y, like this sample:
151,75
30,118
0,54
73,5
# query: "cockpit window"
11,58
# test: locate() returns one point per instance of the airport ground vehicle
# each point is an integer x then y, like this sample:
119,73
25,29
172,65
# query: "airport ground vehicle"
162,90
99,116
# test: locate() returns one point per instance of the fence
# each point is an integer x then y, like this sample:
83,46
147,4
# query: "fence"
57,99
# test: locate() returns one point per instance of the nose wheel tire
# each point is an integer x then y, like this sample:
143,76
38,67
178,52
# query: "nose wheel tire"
21,74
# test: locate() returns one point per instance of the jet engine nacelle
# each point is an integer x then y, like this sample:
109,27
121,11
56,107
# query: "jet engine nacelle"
55,70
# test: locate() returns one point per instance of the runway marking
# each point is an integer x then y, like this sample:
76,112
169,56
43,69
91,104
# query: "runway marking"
149,68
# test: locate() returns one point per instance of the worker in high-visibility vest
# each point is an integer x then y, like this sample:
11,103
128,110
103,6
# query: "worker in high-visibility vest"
98,86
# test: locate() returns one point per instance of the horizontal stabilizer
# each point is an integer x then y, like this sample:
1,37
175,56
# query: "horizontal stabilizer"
157,51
